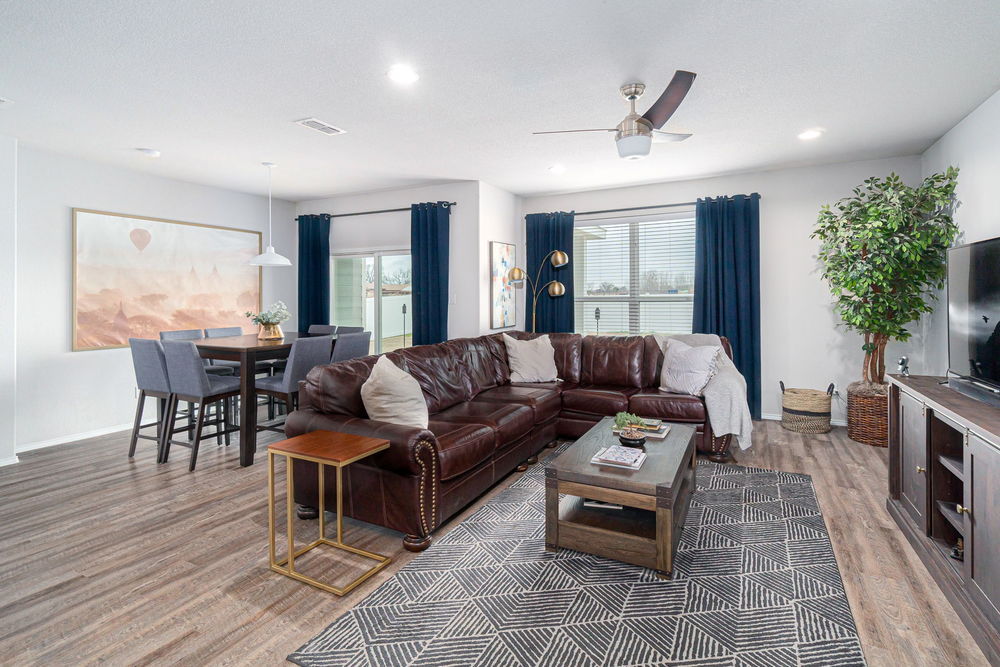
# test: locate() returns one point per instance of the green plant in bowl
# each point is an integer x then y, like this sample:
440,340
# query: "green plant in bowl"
625,419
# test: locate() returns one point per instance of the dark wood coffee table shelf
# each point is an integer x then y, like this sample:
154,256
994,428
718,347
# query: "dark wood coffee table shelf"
655,499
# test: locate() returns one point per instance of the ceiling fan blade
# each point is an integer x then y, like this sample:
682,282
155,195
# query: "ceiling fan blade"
672,96
661,137
567,131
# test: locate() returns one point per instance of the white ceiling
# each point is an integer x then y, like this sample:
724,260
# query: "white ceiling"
216,84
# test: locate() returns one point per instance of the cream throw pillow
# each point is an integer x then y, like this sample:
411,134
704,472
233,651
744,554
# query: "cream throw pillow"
390,394
686,369
531,360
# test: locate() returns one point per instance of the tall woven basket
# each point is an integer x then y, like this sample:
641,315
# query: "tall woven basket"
868,419
805,410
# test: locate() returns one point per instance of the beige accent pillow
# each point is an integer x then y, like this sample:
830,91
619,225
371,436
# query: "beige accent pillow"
686,369
390,394
531,360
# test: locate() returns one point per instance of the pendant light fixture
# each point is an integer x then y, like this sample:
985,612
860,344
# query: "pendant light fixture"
269,258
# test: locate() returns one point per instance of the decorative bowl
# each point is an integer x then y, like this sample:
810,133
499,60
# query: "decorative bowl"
632,438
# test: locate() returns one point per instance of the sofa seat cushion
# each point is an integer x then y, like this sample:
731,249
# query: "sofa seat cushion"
462,447
544,402
671,407
509,422
597,400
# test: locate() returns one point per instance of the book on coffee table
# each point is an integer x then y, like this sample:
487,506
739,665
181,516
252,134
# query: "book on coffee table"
659,434
620,457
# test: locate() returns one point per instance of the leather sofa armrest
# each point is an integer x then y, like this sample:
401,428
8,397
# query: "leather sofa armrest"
408,445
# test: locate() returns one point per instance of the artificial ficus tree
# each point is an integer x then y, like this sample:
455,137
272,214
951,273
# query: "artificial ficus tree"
883,252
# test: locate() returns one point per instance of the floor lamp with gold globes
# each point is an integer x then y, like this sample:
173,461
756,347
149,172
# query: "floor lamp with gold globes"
555,288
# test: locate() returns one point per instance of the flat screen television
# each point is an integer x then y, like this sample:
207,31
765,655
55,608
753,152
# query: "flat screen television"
974,312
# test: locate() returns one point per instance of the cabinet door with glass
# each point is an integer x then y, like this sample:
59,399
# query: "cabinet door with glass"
373,290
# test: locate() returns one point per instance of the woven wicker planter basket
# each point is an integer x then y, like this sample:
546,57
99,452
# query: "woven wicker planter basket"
805,410
868,419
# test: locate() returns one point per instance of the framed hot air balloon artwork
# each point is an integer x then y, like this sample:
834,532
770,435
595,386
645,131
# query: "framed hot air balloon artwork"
134,277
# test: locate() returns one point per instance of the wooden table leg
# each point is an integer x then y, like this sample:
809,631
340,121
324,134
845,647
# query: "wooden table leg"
248,408
551,511
664,542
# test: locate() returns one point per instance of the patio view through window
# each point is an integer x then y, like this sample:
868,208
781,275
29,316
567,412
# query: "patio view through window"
634,275
373,290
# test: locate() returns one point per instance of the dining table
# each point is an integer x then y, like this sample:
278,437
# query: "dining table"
248,350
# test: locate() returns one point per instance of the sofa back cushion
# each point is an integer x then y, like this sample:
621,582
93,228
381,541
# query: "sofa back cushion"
439,371
336,388
612,360
483,360
567,348
652,362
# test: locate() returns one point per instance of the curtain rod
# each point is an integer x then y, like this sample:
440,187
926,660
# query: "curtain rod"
447,204
643,208
636,208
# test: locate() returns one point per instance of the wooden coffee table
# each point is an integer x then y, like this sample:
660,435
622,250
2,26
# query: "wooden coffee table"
655,499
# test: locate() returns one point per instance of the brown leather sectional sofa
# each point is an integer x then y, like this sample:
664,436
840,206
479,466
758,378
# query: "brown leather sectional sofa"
481,425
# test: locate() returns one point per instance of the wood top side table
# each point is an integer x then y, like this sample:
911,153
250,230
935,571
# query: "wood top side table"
325,448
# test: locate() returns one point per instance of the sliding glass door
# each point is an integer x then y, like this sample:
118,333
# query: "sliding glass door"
373,291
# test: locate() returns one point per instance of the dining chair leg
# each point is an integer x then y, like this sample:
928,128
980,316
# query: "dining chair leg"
190,420
202,409
227,412
169,422
138,423
218,409
161,413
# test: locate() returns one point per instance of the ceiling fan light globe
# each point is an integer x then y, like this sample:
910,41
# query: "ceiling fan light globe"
634,147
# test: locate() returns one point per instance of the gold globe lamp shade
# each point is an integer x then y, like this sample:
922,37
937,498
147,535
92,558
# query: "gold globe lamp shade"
559,258
556,288
516,276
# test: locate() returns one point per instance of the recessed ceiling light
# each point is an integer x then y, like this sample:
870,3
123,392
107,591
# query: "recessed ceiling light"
401,73
149,152
558,169
814,133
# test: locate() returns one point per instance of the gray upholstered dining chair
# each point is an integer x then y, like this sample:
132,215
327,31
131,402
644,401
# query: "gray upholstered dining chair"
324,329
190,382
341,330
151,379
351,346
306,354
225,332
196,334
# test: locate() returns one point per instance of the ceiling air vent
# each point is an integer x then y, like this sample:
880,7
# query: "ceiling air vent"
320,126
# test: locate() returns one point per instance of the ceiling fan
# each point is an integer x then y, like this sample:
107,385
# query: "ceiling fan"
635,134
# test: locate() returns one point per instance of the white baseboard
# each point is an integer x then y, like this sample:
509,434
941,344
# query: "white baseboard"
10,460
777,418
63,439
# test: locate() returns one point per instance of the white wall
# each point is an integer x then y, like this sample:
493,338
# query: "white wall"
974,147
499,220
389,231
801,342
64,395
8,297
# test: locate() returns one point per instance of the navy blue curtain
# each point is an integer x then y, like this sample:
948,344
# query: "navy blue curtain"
314,270
429,225
545,232
727,280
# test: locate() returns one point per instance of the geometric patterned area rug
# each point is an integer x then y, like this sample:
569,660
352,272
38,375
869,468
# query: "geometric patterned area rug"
755,584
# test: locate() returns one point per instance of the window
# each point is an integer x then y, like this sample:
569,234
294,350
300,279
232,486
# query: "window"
380,305
634,275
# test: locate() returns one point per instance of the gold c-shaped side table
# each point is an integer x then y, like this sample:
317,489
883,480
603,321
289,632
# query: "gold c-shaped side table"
324,448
